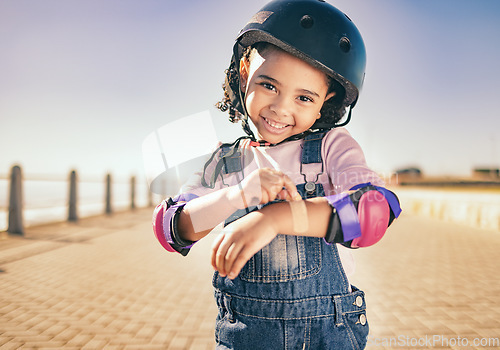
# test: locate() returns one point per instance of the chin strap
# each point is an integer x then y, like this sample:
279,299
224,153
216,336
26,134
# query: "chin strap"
348,118
246,127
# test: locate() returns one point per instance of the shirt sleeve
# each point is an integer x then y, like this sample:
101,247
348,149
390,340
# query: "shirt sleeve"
345,161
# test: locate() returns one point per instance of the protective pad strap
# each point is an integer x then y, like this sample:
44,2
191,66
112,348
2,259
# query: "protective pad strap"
391,198
167,221
164,226
348,215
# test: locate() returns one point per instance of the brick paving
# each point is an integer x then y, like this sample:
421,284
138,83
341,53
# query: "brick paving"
432,280
104,283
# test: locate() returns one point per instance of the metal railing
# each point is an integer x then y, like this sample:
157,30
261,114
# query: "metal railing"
16,210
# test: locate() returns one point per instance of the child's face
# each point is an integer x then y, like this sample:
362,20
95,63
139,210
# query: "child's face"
284,94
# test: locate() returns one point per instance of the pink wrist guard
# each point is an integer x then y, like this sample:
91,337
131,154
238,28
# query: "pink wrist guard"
164,226
158,215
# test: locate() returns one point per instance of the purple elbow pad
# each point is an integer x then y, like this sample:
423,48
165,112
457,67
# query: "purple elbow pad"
374,214
361,218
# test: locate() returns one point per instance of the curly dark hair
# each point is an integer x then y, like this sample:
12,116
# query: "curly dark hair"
332,110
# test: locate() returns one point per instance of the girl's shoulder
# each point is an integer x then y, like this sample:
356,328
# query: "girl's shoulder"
337,133
339,138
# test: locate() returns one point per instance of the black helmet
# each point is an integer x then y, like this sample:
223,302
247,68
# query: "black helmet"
313,31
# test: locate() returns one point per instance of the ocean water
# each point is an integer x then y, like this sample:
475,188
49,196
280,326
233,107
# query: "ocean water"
46,201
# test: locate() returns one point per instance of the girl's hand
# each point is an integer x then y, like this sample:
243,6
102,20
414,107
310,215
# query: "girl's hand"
239,241
263,186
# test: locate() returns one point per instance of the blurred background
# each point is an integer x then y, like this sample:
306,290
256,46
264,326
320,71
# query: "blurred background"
83,83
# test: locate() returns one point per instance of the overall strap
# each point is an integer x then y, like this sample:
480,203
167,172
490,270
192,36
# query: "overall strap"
312,166
311,153
229,162
231,157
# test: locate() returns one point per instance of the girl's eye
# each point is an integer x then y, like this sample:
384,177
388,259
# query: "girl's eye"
268,86
305,99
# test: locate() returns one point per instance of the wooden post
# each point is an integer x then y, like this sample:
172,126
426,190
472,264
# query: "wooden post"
109,209
73,198
132,192
16,224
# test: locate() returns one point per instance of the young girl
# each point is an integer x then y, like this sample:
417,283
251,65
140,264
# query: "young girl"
294,196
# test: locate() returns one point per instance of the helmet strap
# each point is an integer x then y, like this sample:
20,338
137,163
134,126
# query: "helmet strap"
347,120
351,106
246,128
241,94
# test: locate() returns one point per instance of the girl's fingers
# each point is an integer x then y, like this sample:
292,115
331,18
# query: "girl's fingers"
274,184
220,257
232,254
284,189
239,262
225,251
291,188
284,195
215,248
281,180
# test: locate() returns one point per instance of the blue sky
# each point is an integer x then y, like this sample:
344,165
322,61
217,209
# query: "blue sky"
83,82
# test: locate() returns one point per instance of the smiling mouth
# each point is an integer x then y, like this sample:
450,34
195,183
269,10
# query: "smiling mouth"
274,124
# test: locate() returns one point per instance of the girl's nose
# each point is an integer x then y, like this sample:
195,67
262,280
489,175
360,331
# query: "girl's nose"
281,106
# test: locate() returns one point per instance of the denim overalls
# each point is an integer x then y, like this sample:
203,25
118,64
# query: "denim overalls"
292,294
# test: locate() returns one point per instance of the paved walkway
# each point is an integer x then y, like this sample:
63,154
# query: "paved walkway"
105,283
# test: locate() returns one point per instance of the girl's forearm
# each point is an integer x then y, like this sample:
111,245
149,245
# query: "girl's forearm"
318,213
200,215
